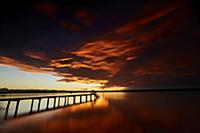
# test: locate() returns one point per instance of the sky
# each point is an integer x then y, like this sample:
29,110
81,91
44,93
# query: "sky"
99,44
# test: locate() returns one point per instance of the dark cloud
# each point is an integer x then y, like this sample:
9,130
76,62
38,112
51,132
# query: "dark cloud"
85,17
46,8
70,16
171,57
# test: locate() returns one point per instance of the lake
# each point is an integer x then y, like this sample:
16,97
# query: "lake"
119,112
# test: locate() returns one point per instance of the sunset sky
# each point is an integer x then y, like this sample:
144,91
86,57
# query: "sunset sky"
88,44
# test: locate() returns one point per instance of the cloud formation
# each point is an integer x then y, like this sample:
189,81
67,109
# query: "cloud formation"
22,66
157,46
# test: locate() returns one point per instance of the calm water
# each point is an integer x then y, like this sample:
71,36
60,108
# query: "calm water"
160,112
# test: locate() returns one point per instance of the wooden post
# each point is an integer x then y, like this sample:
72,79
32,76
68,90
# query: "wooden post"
65,101
32,102
7,108
16,109
47,104
39,105
74,99
54,106
90,97
80,99
58,102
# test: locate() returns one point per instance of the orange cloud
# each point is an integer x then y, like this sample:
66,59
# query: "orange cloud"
102,49
68,77
22,66
131,58
87,80
57,63
98,53
60,60
47,68
36,55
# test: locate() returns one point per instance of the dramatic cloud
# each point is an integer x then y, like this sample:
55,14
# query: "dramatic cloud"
105,55
156,44
167,59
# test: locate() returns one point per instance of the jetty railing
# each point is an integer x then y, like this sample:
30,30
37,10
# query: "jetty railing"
70,99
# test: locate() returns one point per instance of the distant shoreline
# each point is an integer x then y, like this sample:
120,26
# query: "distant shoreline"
9,91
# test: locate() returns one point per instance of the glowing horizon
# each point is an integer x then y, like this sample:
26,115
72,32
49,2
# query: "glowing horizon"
13,78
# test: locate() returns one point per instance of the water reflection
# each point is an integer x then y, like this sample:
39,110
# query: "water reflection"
173,112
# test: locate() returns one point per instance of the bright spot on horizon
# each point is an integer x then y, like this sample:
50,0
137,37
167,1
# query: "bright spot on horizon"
115,88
